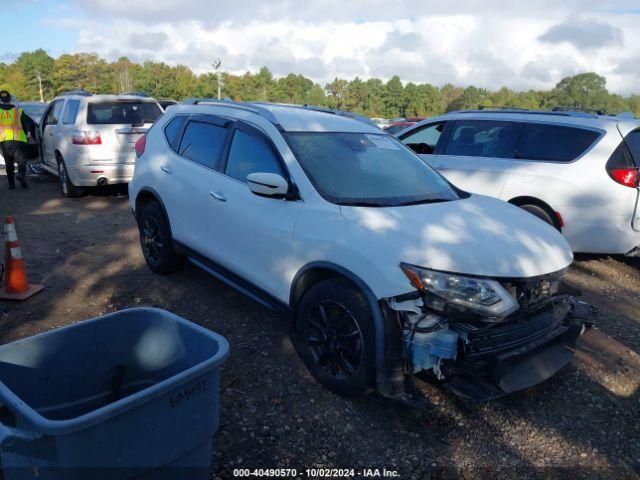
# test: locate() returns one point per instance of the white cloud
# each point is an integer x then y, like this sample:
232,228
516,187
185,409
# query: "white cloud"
488,43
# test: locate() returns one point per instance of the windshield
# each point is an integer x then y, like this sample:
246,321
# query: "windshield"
122,112
367,169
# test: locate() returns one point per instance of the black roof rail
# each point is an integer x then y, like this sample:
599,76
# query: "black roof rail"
345,113
259,108
317,108
515,109
248,106
79,91
596,111
564,113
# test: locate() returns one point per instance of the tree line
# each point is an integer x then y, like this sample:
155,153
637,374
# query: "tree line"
372,97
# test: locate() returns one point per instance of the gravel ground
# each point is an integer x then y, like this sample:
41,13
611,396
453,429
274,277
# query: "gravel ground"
584,422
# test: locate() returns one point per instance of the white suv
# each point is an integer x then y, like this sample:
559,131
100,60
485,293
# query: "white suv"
386,268
87,140
576,171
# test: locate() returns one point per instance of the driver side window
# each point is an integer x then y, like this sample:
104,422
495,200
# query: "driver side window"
249,154
54,113
424,140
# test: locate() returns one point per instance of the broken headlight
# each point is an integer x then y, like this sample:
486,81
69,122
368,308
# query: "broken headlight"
484,296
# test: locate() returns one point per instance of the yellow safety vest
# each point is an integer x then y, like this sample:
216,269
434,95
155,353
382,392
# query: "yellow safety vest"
11,126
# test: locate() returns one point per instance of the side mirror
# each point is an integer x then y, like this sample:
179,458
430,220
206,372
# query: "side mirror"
267,184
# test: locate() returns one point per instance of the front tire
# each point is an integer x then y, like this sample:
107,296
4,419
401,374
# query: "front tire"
156,241
335,337
67,188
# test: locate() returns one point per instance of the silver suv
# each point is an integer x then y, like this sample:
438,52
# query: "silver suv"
88,140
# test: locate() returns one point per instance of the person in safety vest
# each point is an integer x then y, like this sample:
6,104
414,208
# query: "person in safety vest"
14,126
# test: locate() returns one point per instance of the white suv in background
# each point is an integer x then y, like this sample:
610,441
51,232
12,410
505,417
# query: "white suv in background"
576,171
87,140
386,268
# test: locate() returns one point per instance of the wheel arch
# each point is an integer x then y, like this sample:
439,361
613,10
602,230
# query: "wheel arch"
148,195
314,272
527,200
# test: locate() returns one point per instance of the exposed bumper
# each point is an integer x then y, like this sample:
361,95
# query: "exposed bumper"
475,360
513,357
87,175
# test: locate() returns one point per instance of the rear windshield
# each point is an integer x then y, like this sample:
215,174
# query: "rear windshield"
122,112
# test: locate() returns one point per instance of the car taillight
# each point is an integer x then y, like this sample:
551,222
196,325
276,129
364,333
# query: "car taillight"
140,145
86,138
629,177
622,167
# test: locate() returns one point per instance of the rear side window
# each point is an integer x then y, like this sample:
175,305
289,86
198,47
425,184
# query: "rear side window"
71,112
173,129
633,142
249,154
122,112
480,138
203,143
621,158
627,154
554,143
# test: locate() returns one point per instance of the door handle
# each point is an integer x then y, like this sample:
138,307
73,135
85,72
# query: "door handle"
218,196
166,169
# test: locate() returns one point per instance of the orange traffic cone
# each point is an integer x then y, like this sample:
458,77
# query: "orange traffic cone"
16,285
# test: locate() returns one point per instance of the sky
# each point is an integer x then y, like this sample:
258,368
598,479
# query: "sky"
487,43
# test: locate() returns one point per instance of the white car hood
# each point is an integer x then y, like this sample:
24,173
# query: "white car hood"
477,236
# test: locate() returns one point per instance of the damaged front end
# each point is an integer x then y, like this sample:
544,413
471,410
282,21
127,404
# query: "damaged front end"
486,338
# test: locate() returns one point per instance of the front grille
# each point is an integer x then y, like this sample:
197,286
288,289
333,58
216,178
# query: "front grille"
530,292
521,333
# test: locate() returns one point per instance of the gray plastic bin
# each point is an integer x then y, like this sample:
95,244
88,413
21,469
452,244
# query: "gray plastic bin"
132,394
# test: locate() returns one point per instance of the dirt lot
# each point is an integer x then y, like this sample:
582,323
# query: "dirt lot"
584,422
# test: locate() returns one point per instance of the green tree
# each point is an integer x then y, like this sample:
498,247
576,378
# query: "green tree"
337,93
583,91
156,79
395,101
634,105
33,65
373,104
471,98
68,74
293,89
13,80
316,96
371,97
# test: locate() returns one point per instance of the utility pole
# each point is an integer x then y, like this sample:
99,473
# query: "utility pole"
216,66
40,86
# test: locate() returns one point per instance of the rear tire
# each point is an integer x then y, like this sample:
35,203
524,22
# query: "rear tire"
541,213
156,241
335,337
67,188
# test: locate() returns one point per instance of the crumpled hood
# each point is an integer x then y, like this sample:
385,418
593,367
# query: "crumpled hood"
477,236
